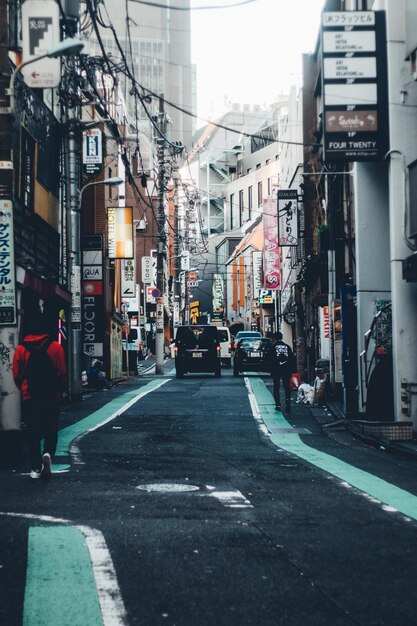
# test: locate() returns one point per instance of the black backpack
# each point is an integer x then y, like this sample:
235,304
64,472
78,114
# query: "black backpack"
41,374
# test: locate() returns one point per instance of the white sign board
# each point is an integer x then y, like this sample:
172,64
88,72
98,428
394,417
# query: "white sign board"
149,270
362,94
7,266
40,33
349,42
257,272
128,279
76,297
349,68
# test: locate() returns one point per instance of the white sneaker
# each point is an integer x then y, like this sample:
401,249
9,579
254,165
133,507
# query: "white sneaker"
35,473
46,467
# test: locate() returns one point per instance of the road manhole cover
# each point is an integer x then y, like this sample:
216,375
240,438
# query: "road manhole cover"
167,487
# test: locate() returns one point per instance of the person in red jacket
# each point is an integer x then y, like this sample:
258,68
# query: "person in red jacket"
39,371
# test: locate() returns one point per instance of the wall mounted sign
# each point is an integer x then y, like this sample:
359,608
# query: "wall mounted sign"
7,266
92,150
355,92
92,295
40,33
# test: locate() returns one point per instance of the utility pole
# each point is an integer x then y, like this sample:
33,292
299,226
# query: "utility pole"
177,252
74,267
9,394
161,249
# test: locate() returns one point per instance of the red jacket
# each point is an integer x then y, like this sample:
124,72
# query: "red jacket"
20,360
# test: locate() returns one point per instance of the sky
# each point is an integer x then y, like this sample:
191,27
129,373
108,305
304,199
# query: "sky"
250,53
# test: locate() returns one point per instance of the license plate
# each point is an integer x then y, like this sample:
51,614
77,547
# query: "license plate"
255,354
197,355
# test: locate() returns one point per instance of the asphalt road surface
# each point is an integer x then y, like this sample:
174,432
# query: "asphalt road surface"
194,503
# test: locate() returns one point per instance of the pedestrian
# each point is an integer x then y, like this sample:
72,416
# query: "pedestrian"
39,371
281,361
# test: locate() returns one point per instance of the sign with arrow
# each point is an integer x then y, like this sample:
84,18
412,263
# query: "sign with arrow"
40,33
128,278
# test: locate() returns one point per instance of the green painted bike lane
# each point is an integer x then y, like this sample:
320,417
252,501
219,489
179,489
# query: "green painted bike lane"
60,584
385,492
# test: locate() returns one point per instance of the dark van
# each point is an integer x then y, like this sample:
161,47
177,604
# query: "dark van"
197,349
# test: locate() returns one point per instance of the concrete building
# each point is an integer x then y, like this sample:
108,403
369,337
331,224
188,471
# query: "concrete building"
361,215
157,46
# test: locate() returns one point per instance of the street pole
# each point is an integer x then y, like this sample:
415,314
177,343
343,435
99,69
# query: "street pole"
74,266
9,394
177,259
75,203
161,251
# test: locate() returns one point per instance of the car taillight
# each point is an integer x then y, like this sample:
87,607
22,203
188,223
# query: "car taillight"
230,346
218,348
176,349
141,344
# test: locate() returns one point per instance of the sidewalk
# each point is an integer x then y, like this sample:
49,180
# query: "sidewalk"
339,421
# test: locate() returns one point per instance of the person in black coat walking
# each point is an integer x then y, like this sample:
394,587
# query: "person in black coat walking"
282,365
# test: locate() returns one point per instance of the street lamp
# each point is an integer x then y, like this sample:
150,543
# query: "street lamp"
112,182
65,48
75,353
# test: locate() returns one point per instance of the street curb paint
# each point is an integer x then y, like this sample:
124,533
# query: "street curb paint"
385,492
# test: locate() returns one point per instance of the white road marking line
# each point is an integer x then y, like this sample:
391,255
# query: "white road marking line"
232,498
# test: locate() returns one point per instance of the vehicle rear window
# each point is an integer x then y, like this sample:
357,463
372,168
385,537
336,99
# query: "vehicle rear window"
251,342
133,334
223,335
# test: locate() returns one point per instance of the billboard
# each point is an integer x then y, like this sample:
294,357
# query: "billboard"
355,92
120,232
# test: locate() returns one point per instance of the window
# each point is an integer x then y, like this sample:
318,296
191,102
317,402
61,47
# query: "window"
250,201
260,193
240,208
269,187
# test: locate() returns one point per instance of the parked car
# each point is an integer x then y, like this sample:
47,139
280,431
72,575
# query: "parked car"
197,349
245,333
251,355
136,342
225,346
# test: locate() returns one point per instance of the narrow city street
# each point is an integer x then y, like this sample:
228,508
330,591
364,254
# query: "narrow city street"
185,502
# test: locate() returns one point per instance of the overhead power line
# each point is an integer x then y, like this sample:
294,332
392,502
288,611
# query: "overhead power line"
203,8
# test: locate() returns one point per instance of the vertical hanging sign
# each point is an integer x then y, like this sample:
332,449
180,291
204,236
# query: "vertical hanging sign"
93,308
7,266
120,232
271,260
288,217
128,278
92,150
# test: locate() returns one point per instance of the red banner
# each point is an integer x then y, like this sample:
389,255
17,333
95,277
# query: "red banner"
271,260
